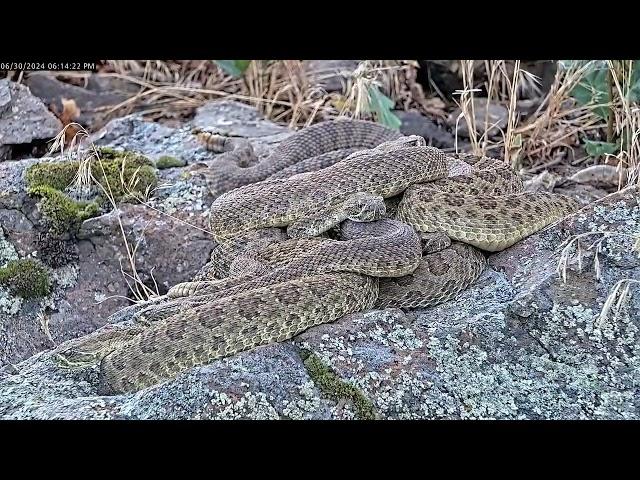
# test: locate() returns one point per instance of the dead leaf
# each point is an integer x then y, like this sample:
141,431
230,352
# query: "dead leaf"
70,112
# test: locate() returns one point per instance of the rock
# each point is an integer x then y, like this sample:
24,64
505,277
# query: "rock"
23,117
53,91
520,343
414,123
223,117
101,84
495,121
151,139
5,97
330,75
230,389
525,108
607,176
18,211
545,181
170,249
169,233
236,119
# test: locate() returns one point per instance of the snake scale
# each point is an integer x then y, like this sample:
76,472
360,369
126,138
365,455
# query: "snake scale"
344,216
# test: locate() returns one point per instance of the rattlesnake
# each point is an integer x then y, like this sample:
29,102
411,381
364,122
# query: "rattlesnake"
286,286
312,148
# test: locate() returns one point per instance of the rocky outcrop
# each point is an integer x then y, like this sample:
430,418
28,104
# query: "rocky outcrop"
520,343
168,233
414,123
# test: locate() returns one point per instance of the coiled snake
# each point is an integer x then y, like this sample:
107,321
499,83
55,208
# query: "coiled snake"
371,219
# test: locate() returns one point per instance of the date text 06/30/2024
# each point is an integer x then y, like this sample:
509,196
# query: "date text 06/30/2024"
47,65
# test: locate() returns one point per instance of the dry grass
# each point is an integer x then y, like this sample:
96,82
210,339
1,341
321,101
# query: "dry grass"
551,134
627,120
554,128
574,251
283,90
284,93
467,107
85,181
396,79
505,82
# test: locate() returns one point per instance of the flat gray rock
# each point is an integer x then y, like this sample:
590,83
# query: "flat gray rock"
24,118
489,116
414,123
236,119
89,102
331,75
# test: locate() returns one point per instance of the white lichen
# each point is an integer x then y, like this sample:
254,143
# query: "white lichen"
9,304
304,407
252,406
7,250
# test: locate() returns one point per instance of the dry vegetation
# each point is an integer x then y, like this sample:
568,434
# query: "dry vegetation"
287,92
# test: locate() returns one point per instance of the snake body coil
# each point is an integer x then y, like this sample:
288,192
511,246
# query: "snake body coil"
340,254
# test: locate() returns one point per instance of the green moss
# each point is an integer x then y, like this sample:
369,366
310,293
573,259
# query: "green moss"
57,175
335,388
122,174
167,161
63,214
26,278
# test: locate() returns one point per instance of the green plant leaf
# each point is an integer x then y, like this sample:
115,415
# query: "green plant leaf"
598,149
634,87
593,89
382,106
233,67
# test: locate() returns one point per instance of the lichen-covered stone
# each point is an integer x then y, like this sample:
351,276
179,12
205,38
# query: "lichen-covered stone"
521,343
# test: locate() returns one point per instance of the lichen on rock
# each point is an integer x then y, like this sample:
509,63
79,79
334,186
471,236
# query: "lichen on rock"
7,250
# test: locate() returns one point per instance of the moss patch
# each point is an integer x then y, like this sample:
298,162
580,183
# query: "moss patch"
335,388
167,161
63,213
55,251
26,278
58,175
122,174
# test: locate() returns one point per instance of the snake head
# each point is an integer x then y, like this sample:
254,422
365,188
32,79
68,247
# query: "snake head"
76,358
364,207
